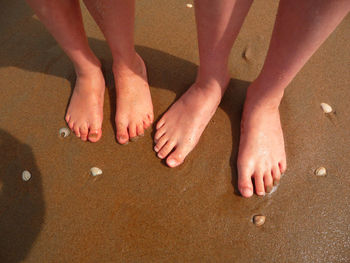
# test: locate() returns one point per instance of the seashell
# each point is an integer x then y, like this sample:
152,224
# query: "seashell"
321,171
189,5
64,132
26,175
95,171
326,107
259,220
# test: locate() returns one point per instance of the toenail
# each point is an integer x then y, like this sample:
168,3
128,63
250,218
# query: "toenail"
276,182
260,193
93,135
268,188
171,162
247,192
156,148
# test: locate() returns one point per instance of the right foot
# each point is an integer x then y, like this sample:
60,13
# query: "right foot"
182,125
85,112
134,111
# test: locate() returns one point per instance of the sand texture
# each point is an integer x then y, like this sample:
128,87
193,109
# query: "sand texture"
139,210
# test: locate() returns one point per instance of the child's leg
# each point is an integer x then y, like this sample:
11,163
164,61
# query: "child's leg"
218,24
300,28
134,111
63,20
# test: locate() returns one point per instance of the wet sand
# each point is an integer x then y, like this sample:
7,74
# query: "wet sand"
139,210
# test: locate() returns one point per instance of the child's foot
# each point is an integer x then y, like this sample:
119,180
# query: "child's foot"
182,125
85,112
261,151
134,111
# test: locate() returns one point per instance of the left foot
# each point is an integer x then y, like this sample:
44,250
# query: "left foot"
261,151
182,125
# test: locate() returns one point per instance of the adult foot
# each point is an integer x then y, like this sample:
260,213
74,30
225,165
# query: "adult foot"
182,125
85,112
134,111
261,150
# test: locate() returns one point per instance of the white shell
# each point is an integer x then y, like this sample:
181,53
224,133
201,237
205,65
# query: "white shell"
321,171
326,107
95,171
259,220
189,5
26,175
64,132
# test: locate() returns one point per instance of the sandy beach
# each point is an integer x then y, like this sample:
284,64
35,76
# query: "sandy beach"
139,210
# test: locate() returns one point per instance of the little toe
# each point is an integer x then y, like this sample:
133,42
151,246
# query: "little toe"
283,166
67,118
160,132
140,130
71,124
259,184
245,185
276,175
166,149
178,156
160,123
146,124
268,181
150,117
84,131
132,131
160,143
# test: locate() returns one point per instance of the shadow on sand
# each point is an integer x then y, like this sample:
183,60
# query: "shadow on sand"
22,207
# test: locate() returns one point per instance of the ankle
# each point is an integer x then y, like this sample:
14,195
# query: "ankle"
88,68
127,61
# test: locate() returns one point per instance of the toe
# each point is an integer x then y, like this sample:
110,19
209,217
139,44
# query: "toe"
150,117
67,118
276,175
160,123
71,124
122,133
146,124
160,143
166,149
268,181
95,133
132,130
84,132
259,183
159,134
245,185
283,166
178,156
76,129
139,129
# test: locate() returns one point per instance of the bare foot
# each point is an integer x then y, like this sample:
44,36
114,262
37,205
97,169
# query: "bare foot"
182,125
134,111
261,151
85,112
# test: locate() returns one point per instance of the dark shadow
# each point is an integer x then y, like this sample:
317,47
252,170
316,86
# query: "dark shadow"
22,207
164,71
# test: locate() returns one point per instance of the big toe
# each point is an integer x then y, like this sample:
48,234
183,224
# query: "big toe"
94,134
178,156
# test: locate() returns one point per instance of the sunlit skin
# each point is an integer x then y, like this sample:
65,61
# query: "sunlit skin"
301,26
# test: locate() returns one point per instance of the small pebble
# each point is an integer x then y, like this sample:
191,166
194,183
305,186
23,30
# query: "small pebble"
326,107
321,171
259,220
189,5
64,132
95,171
26,175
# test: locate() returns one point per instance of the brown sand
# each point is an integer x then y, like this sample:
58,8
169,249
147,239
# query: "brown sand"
139,210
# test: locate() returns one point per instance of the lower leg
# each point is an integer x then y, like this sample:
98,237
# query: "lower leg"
300,28
181,126
134,111
63,20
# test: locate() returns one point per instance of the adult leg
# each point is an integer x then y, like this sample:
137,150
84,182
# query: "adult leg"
218,24
63,20
301,27
134,111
